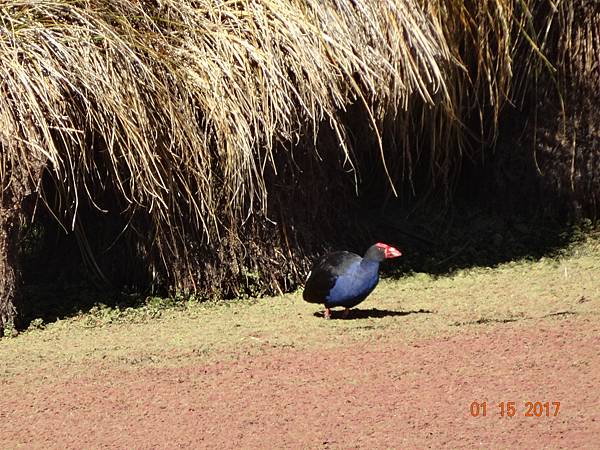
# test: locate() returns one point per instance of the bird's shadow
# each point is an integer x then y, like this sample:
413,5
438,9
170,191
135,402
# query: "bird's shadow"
370,313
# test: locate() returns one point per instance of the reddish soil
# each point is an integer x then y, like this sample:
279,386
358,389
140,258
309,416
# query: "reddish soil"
369,396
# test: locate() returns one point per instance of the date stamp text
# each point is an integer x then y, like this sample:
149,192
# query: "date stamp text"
512,409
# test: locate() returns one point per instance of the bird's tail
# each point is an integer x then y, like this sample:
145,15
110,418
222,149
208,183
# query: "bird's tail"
310,299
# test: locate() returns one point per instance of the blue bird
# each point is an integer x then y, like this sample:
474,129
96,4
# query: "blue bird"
345,279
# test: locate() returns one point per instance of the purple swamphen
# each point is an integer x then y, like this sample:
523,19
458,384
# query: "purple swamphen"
344,278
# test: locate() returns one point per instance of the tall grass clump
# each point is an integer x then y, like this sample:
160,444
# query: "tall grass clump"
547,157
210,146
174,115
565,129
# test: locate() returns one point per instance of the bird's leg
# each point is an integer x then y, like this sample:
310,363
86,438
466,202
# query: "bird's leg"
346,313
327,314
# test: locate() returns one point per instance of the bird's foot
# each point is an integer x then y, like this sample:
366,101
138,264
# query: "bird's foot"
346,313
327,314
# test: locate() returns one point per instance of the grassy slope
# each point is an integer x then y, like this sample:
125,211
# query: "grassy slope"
157,335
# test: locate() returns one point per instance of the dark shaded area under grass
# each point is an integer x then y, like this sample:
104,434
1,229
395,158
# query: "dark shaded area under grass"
466,237
435,241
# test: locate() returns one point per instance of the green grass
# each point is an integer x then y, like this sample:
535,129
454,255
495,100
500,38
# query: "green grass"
165,332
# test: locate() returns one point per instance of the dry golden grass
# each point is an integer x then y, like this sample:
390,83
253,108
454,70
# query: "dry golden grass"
190,98
180,108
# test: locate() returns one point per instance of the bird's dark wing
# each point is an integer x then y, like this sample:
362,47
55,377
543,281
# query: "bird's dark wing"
324,274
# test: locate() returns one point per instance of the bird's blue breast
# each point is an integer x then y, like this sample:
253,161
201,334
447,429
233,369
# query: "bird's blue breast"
354,284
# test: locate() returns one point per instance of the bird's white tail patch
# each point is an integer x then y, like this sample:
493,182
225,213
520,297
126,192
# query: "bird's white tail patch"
307,276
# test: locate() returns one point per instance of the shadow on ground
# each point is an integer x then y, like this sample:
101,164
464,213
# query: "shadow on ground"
370,313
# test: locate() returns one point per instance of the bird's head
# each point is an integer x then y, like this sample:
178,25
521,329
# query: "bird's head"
381,251
388,250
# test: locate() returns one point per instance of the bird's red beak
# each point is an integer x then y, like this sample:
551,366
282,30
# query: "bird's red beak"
391,252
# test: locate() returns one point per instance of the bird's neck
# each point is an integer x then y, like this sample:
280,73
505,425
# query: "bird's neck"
369,265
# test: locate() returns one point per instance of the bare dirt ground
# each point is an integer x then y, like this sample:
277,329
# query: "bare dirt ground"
382,396
402,373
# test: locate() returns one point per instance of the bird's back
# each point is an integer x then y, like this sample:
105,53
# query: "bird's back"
341,279
354,285
324,274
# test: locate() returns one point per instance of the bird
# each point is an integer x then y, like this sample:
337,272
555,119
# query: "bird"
345,279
